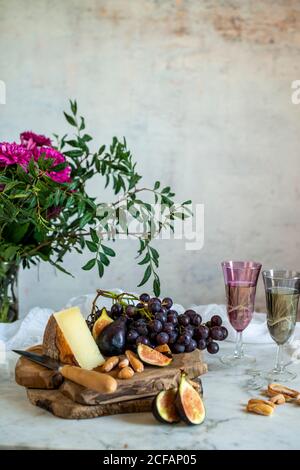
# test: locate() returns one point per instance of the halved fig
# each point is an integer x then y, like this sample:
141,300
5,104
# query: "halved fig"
152,357
163,406
164,349
101,323
189,404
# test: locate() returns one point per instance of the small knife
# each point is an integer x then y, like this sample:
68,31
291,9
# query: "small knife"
93,380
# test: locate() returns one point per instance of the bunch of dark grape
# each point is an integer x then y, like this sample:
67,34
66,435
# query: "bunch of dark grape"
153,322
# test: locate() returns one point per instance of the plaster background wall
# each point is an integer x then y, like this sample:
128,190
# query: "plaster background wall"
202,92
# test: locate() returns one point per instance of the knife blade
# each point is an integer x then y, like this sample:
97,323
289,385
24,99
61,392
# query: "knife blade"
97,381
43,360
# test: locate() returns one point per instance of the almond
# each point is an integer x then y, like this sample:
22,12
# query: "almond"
136,364
260,408
254,401
123,363
110,364
126,373
278,399
288,393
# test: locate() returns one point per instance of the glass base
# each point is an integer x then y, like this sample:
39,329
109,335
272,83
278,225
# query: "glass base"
256,380
280,376
234,361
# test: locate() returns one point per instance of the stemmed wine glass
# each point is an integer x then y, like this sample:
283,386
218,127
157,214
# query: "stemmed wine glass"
240,284
282,289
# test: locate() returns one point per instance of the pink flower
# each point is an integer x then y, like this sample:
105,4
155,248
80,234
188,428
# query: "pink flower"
62,176
15,154
31,140
11,154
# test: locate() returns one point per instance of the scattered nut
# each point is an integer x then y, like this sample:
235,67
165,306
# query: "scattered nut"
126,373
278,399
278,394
110,364
254,401
123,363
136,364
288,393
260,407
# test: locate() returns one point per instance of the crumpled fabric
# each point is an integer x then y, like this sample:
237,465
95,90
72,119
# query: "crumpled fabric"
29,331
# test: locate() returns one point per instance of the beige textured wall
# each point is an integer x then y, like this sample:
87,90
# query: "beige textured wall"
201,90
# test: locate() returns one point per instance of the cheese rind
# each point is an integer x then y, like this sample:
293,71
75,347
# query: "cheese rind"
79,338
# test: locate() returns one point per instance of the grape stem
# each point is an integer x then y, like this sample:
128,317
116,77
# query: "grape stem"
119,299
111,295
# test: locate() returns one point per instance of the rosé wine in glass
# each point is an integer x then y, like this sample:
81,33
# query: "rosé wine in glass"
240,303
240,285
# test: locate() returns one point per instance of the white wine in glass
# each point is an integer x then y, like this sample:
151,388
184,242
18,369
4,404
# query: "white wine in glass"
282,297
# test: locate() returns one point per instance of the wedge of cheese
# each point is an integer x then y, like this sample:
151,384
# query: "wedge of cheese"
68,339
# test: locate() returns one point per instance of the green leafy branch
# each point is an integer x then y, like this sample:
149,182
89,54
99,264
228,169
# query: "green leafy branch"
41,219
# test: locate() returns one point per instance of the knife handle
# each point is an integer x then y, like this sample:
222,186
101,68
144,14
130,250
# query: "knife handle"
96,381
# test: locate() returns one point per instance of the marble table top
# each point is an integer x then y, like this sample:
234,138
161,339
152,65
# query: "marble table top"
227,425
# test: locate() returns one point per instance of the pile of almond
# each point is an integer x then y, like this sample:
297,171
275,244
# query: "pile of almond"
278,395
126,366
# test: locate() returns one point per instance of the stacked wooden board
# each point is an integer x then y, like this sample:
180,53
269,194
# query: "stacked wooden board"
49,390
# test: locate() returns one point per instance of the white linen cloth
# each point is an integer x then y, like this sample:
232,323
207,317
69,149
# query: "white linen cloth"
28,331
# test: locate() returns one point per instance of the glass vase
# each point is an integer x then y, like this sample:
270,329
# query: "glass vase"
9,305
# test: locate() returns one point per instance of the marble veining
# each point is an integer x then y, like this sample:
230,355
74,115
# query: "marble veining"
227,425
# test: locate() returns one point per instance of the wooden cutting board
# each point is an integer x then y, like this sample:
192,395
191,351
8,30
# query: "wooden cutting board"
132,395
32,375
148,383
59,405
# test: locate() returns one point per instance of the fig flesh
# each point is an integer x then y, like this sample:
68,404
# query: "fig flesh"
163,407
101,323
164,349
189,404
152,357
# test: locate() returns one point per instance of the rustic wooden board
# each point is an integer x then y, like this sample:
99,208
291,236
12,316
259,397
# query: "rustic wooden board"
29,374
63,407
148,383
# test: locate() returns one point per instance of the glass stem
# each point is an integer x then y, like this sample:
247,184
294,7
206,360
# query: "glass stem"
279,366
239,352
